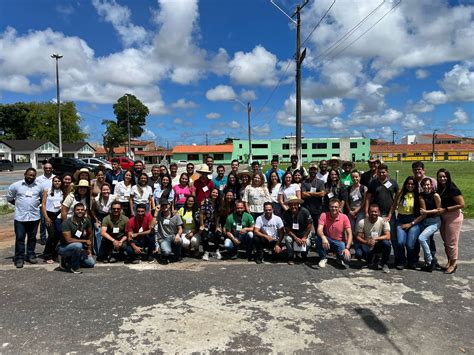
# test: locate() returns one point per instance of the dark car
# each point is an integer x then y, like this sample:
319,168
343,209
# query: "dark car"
6,164
68,165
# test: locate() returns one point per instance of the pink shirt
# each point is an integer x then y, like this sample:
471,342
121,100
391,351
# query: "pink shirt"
334,228
181,194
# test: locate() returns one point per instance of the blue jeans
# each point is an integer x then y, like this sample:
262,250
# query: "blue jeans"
169,245
336,246
147,242
428,229
381,247
245,241
406,238
42,228
76,255
23,230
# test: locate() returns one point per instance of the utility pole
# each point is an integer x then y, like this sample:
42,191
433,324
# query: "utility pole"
433,153
249,109
299,57
393,137
58,102
128,128
207,140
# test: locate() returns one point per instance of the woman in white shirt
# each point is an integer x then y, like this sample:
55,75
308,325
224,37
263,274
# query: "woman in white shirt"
101,208
51,208
142,193
288,189
123,191
273,186
255,195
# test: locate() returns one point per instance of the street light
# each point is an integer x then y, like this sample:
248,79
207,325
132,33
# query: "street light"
433,154
249,109
58,101
128,128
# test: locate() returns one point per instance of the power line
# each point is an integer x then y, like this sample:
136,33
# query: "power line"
319,22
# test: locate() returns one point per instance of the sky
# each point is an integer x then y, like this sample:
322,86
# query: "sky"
371,67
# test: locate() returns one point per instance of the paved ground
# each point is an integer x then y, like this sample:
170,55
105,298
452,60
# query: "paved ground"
235,306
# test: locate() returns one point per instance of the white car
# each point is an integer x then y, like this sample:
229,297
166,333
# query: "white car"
97,162
182,163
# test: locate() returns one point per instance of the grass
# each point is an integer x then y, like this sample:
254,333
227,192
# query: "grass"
462,174
6,209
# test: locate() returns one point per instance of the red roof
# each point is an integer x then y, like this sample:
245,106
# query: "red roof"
156,153
442,136
223,148
395,148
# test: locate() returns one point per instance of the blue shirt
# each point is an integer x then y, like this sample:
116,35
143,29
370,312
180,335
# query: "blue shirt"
279,172
112,179
220,184
27,200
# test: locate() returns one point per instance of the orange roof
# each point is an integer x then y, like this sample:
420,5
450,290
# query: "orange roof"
223,148
156,153
117,150
395,148
442,136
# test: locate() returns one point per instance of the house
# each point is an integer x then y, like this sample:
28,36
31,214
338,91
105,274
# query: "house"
27,153
197,154
78,150
423,152
441,138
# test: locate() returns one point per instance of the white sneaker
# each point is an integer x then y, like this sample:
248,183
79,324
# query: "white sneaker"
322,263
218,255
385,269
205,257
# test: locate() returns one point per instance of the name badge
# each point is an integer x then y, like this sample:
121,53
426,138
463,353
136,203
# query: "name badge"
296,226
28,194
205,189
114,182
189,220
115,230
387,184
140,230
347,182
221,188
127,194
155,185
373,235
355,197
330,195
57,204
181,196
78,234
166,221
313,189
105,209
238,228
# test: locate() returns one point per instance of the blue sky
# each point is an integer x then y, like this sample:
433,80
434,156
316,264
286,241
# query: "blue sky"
408,67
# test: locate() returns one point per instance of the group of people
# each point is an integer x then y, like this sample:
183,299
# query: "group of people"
329,207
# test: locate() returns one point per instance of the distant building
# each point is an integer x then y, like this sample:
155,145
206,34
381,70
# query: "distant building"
423,152
146,151
197,154
428,139
27,153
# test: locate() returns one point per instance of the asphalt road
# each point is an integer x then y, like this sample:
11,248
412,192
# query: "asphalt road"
236,306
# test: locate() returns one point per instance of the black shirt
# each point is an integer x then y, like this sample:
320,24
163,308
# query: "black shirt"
302,219
313,204
447,195
383,196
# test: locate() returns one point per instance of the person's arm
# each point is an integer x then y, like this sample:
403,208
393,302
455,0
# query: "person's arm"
385,236
69,239
281,201
47,220
320,233
348,233
93,214
178,234
368,199
459,200
308,230
89,238
394,206
360,238
258,233
437,199
201,220
298,193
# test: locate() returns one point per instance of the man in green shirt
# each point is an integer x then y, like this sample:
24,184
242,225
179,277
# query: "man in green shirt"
113,233
76,241
238,230
346,178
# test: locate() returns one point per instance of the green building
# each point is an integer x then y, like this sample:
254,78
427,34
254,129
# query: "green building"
313,149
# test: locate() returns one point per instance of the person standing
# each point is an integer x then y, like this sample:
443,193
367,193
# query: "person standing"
114,176
312,192
203,185
255,195
275,168
26,196
323,172
294,166
51,208
220,181
45,181
371,174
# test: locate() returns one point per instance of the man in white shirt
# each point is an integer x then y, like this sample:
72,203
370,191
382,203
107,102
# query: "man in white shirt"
46,181
268,232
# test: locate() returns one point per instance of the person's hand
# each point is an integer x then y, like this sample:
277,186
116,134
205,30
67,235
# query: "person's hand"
406,225
325,244
422,211
177,239
218,229
189,235
136,249
371,242
236,241
385,219
347,254
87,242
97,224
268,238
48,221
242,231
277,249
116,244
201,227
352,214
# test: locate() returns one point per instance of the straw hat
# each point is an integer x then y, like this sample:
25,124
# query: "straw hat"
83,183
83,170
204,169
293,199
333,158
245,172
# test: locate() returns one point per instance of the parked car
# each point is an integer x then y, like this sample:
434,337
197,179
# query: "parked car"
98,161
63,165
182,163
126,163
6,164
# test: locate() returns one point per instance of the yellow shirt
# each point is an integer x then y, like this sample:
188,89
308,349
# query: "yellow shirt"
407,205
188,220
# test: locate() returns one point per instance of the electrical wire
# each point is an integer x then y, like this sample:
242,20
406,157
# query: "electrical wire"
319,22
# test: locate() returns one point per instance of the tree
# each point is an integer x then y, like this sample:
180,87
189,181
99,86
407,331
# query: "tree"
137,111
39,120
116,132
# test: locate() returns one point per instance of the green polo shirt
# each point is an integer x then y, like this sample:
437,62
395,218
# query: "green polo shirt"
233,220
116,229
70,226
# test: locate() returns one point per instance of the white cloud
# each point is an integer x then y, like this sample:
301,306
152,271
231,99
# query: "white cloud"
435,97
258,67
390,116
248,95
213,115
264,130
459,82
460,117
421,106
412,123
183,104
178,120
221,93
422,74
148,135
65,10
119,17
216,133
234,124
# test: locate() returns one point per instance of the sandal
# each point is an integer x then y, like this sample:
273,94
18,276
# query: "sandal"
50,261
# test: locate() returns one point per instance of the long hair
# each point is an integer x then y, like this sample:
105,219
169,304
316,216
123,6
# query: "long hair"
449,182
52,185
416,194
100,193
140,187
269,182
166,192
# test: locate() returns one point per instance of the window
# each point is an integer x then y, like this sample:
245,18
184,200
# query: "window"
219,156
240,146
318,155
304,146
363,143
404,155
305,155
286,156
193,157
260,157
260,146
285,146
319,145
335,145
417,154
354,145
22,158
